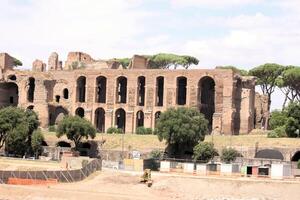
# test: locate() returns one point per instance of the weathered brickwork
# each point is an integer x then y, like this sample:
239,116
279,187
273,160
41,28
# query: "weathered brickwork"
107,95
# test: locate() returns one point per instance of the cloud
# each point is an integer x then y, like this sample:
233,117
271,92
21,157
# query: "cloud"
213,3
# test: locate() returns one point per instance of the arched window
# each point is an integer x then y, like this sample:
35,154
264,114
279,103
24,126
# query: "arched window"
120,119
160,91
181,90
81,90
101,89
141,91
9,94
66,93
157,116
100,120
269,154
80,112
121,93
30,91
139,119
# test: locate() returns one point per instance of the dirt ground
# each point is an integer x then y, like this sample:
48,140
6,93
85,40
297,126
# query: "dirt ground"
113,185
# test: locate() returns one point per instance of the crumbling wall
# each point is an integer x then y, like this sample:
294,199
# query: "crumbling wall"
138,62
261,110
77,60
38,66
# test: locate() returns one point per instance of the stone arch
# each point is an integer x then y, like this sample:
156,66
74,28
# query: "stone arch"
296,156
101,82
141,83
12,77
57,114
80,112
120,119
66,93
181,90
30,89
63,144
206,98
81,89
44,143
100,120
160,91
139,118
9,94
121,90
269,154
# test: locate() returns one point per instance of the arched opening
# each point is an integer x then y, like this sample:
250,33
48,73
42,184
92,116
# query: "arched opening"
160,91
56,115
157,116
66,93
181,90
296,157
57,98
121,119
141,91
139,119
121,93
206,98
30,107
81,90
44,143
101,89
30,90
12,77
80,112
9,94
100,120
238,101
63,144
269,154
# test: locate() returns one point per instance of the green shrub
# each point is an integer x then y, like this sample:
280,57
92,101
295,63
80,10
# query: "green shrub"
114,130
204,151
140,130
277,132
229,155
277,119
52,128
156,154
149,131
293,122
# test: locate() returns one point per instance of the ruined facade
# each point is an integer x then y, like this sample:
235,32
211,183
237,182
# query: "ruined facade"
108,95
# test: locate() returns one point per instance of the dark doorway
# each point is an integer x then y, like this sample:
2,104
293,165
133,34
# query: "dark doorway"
121,89
238,101
160,91
81,90
296,157
157,116
80,112
141,91
121,119
57,114
66,93
30,107
206,98
100,120
181,90
12,77
57,98
30,90
63,144
139,118
101,89
9,94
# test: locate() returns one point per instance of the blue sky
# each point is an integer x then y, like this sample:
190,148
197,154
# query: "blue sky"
243,33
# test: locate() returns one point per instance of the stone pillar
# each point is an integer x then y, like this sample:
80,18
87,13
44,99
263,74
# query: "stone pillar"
228,110
129,122
40,102
148,119
53,62
109,118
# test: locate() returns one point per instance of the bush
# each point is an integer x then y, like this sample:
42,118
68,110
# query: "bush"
229,155
52,128
36,142
204,151
277,119
143,131
277,132
156,154
114,130
149,131
293,123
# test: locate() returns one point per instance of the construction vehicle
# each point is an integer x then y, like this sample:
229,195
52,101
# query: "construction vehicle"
146,178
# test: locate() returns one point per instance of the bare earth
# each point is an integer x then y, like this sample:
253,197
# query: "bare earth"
112,185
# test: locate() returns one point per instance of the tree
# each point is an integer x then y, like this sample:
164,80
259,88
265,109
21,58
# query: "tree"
181,129
278,119
76,128
293,122
17,139
17,62
204,151
229,155
291,80
36,142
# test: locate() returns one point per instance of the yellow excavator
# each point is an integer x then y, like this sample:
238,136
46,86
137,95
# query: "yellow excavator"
146,178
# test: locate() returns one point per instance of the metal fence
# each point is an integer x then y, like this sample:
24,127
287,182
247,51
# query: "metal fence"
66,176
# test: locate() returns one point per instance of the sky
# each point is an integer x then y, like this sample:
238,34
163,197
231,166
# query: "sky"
242,33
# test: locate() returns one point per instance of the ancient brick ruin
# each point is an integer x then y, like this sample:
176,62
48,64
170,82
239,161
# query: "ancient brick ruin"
108,95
